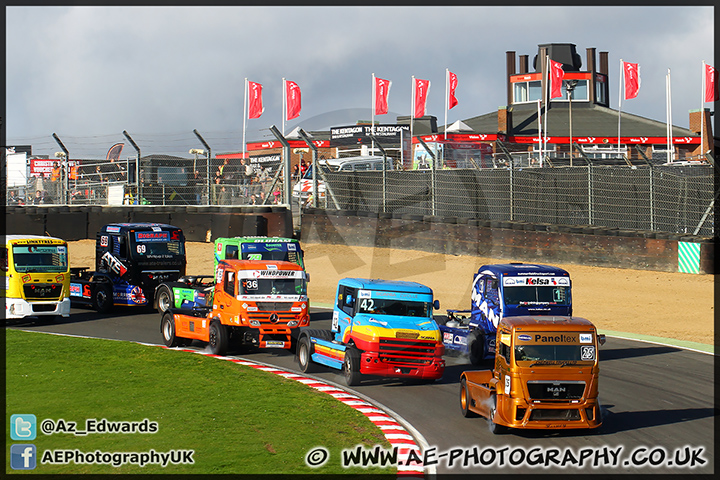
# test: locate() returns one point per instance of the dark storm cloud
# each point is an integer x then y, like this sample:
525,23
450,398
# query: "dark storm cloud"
88,73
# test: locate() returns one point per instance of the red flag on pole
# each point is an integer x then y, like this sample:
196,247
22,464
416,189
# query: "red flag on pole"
711,84
421,93
255,105
382,90
556,77
114,152
452,83
292,97
632,79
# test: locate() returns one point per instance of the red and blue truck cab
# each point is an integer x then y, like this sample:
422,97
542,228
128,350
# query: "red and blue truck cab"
379,327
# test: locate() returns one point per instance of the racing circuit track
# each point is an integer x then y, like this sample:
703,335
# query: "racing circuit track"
658,405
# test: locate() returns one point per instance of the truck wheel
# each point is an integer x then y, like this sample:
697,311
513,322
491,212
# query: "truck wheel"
103,298
167,328
351,366
476,347
164,299
304,350
494,427
465,399
218,338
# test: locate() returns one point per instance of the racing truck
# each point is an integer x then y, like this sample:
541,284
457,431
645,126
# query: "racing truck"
131,259
545,376
379,327
504,290
192,290
253,303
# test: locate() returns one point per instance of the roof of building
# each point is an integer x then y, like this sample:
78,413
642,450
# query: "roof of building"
588,120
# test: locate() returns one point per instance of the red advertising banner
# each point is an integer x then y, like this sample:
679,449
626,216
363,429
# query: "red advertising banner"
632,79
255,104
556,77
382,91
452,84
422,87
711,84
292,98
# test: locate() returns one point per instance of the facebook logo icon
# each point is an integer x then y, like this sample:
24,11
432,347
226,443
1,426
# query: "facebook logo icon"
23,427
22,457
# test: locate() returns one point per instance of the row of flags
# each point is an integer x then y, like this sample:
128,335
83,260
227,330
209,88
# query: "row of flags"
292,98
421,88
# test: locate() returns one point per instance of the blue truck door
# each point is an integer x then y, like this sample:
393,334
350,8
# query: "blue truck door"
344,309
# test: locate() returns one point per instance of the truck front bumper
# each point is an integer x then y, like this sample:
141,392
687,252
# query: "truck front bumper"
518,413
372,364
20,308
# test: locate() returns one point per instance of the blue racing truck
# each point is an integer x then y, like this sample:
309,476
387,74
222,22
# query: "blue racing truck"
131,259
499,291
379,327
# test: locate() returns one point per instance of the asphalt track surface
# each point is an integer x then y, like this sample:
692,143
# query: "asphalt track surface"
658,404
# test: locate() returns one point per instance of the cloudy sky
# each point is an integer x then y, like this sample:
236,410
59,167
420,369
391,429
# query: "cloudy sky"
90,73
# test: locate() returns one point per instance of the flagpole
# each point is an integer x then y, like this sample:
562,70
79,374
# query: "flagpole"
244,116
539,132
622,77
668,116
412,108
447,97
670,124
702,111
284,106
372,115
547,104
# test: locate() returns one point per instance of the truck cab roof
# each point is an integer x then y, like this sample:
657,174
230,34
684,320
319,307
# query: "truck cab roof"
260,264
540,322
124,227
388,285
522,269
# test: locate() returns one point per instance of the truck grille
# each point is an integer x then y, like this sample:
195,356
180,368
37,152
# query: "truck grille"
540,390
554,414
274,306
45,291
402,350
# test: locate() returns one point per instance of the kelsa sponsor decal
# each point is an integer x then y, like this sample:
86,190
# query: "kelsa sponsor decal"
26,278
525,338
364,294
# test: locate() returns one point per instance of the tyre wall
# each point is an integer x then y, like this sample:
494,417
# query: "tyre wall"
199,224
512,241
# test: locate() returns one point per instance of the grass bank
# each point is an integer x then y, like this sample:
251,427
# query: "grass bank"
236,419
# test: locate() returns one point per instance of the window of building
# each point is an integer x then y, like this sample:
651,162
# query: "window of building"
526,92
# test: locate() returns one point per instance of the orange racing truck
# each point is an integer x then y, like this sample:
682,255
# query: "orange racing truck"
545,376
253,302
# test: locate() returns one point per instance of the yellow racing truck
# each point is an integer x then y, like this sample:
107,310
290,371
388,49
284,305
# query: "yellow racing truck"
37,276
545,376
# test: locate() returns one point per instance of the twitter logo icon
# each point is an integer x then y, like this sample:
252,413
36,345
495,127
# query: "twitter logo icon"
23,427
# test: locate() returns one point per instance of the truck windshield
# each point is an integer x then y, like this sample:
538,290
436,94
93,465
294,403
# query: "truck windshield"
554,353
273,286
381,306
40,258
157,249
536,295
276,255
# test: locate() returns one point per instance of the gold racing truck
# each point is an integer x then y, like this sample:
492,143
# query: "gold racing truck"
545,376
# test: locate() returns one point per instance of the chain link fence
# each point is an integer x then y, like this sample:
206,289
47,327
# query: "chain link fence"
655,198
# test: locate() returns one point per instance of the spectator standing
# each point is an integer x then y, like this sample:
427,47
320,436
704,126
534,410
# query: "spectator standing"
55,175
13,199
196,183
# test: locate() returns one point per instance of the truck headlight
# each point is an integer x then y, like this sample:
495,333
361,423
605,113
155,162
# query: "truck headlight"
254,323
292,323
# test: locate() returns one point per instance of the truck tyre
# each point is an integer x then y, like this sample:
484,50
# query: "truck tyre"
304,350
218,338
164,299
465,399
494,427
351,366
476,347
103,298
167,328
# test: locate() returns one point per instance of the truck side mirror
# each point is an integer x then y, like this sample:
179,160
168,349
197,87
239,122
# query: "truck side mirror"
601,339
436,304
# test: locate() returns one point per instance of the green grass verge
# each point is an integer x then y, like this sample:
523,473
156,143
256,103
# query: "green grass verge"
238,420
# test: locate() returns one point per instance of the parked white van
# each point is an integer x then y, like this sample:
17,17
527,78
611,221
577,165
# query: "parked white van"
303,188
